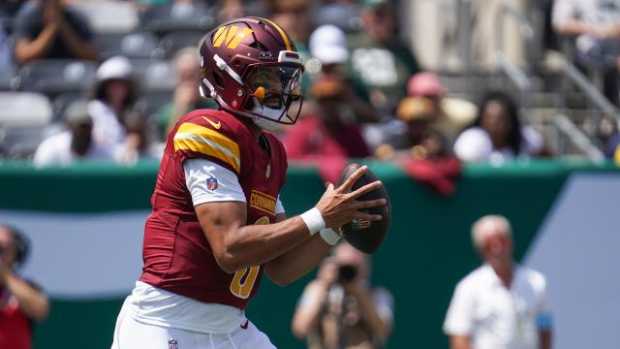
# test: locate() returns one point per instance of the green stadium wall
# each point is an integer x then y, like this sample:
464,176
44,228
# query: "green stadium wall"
87,257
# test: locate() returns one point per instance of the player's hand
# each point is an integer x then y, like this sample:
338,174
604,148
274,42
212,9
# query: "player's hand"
340,206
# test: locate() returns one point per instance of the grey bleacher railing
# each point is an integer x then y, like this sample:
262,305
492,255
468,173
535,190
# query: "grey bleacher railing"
578,138
523,83
593,95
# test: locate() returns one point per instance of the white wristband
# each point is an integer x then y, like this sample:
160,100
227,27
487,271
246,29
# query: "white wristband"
330,236
314,220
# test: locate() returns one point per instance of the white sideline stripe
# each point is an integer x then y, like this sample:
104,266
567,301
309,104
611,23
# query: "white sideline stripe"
82,255
577,250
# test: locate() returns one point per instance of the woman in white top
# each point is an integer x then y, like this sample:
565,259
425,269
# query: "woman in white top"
497,134
114,94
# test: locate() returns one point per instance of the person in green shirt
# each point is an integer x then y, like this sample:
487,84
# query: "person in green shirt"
380,58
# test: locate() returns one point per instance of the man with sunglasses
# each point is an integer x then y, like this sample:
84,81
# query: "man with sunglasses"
217,222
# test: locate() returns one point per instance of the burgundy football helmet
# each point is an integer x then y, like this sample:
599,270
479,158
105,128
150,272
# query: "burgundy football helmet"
251,68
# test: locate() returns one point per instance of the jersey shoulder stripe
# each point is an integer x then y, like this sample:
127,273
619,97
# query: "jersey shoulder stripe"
209,142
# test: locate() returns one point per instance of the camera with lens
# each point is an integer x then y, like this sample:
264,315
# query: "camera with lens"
346,273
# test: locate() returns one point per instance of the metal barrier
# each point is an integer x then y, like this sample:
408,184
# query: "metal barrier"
524,84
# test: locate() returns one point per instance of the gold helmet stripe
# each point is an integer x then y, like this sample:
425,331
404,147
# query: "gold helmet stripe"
283,34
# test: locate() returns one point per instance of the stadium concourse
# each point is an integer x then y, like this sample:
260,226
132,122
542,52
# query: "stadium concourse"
461,107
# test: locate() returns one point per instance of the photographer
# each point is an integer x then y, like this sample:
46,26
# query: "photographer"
21,303
339,309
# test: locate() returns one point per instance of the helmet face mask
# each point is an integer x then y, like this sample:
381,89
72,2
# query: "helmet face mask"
251,69
275,91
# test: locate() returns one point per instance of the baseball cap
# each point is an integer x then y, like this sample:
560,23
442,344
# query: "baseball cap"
425,85
328,44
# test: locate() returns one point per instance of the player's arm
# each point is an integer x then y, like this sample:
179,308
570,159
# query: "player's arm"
236,245
297,262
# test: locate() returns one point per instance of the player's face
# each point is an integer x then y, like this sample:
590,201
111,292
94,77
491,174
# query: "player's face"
275,86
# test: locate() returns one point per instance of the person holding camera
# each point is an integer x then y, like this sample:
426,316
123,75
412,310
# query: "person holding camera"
21,302
339,309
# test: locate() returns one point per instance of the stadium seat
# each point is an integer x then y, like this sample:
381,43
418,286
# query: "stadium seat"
54,77
131,45
7,79
62,102
24,116
154,75
24,109
171,43
164,19
153,101
107,16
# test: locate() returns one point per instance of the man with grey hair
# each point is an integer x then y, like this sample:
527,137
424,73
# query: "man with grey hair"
500,304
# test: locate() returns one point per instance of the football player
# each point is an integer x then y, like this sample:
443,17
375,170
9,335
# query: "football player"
217,222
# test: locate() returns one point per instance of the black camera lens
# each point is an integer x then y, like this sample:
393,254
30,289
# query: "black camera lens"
346,273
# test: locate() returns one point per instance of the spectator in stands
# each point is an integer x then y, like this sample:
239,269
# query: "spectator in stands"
114,94
231,9
596,26
328,44
10,8
186,96
339,309
52,29
501,304
423,152
426,96
330,133
138,145
74,144
21,302
613,148
449,115
294,16
497,134
380,58
417,115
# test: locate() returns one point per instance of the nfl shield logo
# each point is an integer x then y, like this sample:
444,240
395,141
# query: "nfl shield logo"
172,344
211,183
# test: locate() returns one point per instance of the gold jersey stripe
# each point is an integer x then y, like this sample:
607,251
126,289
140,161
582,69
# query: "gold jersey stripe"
209,142
283,34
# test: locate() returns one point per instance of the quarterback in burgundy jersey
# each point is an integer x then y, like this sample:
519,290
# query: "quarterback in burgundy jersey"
217,223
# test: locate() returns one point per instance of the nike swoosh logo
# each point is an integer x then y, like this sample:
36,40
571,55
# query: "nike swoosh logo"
217,125
245,325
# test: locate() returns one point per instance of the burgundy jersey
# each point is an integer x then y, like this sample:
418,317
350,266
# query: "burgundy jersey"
177,256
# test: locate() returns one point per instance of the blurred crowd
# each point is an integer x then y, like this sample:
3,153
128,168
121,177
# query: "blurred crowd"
106,79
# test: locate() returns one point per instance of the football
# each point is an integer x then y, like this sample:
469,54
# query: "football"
364,235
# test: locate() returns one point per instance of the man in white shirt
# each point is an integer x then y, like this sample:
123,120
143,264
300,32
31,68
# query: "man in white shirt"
76,143
501,304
